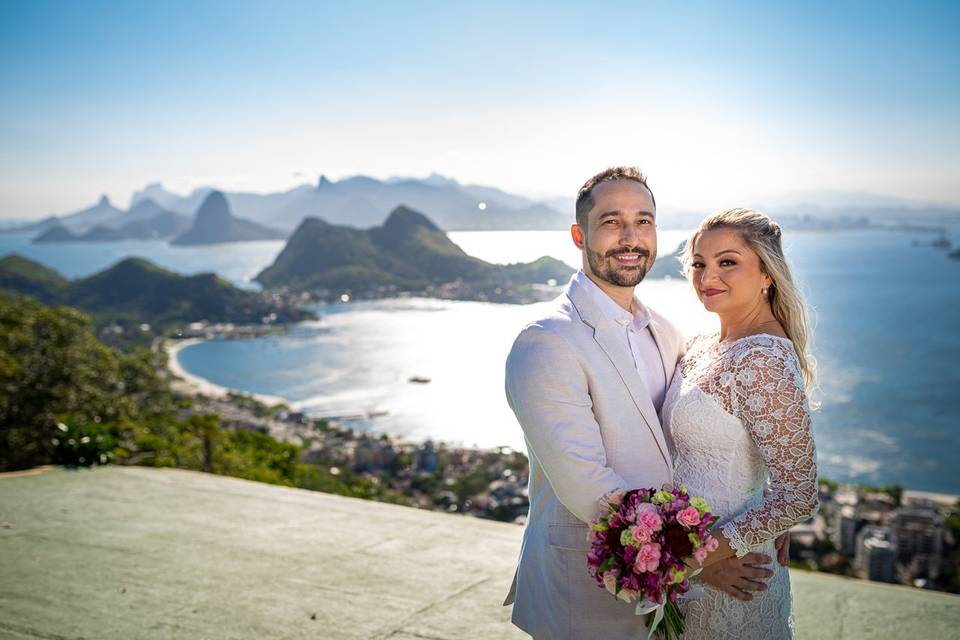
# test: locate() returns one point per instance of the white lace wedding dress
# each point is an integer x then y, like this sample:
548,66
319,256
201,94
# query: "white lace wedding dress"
735,415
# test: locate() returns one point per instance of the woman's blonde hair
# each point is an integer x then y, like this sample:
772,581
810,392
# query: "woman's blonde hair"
763,235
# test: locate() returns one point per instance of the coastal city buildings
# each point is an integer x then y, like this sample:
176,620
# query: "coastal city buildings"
876,554
885,535
919,530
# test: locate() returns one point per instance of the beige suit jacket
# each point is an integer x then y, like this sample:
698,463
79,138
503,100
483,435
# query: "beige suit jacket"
590,428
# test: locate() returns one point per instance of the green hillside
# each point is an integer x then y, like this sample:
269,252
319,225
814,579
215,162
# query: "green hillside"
408,252
32,278
136,291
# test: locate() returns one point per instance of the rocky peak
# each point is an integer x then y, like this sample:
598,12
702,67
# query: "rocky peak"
311,222
214,207
437,180
403,219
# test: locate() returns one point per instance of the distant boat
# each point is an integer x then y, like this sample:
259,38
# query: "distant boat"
418,380
941,243
955,254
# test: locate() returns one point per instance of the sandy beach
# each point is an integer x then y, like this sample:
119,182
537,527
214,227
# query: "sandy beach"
194,385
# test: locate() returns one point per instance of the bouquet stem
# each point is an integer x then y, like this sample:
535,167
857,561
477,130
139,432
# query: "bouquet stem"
671,626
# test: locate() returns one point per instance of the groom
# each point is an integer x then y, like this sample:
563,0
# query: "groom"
586,384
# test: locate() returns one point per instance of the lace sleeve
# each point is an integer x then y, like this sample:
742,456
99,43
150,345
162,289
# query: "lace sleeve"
767,395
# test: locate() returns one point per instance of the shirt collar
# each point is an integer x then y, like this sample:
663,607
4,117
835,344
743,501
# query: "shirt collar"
611,311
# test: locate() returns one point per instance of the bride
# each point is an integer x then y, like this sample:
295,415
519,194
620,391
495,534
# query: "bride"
737,416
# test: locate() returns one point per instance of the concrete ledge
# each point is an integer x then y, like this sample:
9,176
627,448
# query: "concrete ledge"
132,552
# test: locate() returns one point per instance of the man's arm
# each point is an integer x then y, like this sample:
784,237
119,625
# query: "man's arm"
547,390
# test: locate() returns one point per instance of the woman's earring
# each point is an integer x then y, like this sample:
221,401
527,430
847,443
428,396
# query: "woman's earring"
764,291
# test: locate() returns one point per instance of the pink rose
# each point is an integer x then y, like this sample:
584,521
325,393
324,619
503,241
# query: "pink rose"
689,517
641,534
700,555
650,521
648,558
712,544
610,582
646,507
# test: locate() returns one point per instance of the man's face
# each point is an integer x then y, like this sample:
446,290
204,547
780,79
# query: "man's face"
619,241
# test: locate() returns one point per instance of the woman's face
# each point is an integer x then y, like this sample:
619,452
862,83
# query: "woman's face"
726,273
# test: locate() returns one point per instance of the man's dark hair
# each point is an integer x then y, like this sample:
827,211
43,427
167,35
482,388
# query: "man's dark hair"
585,195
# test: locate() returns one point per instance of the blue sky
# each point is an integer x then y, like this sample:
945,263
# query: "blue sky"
720,103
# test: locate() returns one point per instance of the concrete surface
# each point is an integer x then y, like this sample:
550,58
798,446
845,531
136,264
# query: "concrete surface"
133,552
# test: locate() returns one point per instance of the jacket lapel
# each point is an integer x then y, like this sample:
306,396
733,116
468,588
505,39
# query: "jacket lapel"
608,337
665,345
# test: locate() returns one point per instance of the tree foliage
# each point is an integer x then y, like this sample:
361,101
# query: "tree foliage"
52,368
66,398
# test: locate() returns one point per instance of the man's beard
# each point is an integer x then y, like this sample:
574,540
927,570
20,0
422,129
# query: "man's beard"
605,267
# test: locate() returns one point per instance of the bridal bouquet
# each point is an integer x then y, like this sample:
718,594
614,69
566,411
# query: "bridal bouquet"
640,545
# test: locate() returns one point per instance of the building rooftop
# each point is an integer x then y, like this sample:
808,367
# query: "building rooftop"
133,552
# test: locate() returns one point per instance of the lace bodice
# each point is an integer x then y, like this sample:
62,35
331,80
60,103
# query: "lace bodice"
737,422
737,415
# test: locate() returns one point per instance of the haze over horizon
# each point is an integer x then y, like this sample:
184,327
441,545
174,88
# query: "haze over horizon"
719,104
826,199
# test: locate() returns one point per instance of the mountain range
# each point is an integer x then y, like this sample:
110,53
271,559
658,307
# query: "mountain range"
407,253
213,223
358,201
103,221
136,226
363,202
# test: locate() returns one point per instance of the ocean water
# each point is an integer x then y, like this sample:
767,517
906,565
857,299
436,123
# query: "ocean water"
887,343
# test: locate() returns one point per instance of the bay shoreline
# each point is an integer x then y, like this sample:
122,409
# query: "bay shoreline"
190,384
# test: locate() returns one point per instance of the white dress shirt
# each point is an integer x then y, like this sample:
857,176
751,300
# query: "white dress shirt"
637,338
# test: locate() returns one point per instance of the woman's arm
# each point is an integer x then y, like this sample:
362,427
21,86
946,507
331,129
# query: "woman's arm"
768,396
